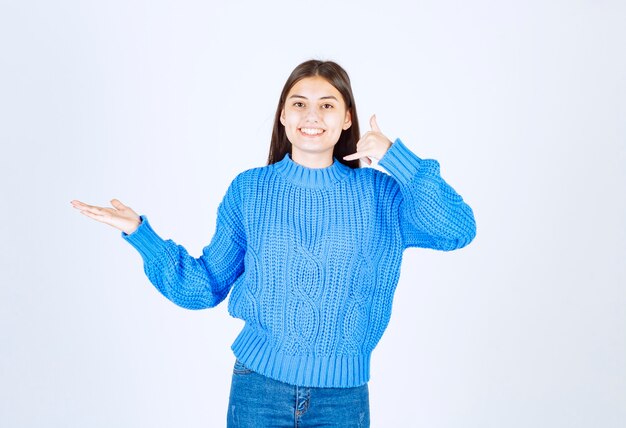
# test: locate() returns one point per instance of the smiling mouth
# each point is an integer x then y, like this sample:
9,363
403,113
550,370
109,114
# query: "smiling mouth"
312,132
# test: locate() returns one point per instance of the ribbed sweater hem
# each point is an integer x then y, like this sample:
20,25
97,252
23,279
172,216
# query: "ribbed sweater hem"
401,162
336,371
145,240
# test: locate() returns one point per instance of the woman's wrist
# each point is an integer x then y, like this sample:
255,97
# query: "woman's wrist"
132,227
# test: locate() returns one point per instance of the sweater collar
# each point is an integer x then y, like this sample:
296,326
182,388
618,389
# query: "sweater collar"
312,177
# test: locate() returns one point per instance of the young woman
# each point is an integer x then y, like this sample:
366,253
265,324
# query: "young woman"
309,247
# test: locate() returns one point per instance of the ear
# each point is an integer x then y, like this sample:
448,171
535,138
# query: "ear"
282,116
348,122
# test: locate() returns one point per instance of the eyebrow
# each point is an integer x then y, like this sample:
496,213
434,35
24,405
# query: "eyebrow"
328,97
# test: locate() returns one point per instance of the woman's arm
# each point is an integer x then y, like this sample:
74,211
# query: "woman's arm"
192,283
432,213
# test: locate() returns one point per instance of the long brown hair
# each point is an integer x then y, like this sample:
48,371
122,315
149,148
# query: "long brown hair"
336,76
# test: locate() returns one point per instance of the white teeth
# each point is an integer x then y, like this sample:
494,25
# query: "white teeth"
311,131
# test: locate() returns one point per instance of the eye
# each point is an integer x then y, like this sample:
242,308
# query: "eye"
298,104
327,106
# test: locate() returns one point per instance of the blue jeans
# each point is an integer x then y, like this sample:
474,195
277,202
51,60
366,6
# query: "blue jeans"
257,401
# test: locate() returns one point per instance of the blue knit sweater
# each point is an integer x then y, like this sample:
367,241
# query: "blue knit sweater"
311,258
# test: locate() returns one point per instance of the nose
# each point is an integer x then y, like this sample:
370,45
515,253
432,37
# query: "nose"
312,115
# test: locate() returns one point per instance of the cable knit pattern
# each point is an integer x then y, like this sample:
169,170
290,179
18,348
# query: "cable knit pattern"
311,258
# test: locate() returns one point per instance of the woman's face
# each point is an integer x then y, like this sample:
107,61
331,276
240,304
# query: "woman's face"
314,115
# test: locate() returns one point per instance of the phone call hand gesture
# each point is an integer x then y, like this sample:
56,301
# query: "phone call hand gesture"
373,144
120,216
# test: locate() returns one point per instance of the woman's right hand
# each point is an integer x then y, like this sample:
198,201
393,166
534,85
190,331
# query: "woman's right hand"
120,216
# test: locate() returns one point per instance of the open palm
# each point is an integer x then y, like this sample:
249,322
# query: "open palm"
120,216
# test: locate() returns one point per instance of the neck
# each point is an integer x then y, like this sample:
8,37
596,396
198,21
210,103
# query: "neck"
312,160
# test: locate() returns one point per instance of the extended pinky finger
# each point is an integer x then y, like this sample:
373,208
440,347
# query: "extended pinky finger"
90,215
94,216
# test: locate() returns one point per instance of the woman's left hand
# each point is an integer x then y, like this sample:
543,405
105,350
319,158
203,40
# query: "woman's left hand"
373,144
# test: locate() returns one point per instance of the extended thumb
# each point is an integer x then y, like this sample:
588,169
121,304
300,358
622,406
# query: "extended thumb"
374,124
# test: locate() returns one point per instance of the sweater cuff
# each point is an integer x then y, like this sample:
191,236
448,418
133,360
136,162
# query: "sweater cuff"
145,240
400,162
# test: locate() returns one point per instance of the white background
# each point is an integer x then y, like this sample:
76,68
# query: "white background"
161,104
